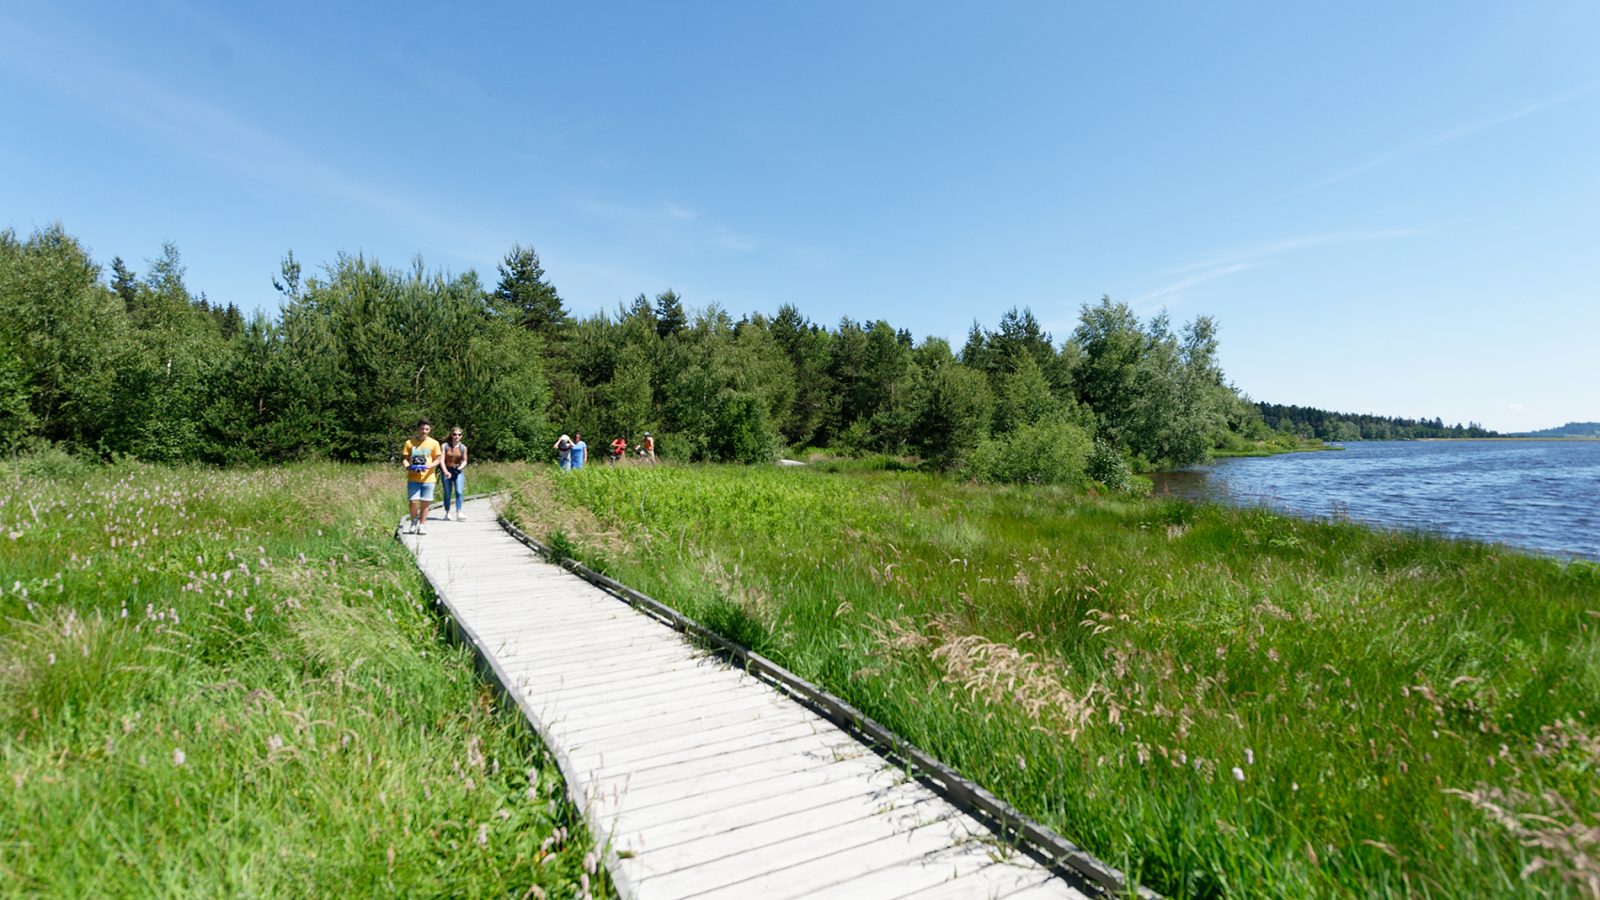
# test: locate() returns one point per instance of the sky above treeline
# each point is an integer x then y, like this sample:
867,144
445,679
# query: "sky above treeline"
1389,208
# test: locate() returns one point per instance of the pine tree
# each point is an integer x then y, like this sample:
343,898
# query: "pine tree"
123,282
670,318
526,296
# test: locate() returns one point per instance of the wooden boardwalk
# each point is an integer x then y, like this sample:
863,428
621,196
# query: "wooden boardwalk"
698,779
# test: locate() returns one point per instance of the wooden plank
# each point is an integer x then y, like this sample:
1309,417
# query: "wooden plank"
555,649
809,809
638,797
907,801
817,845
630,707
601,677
796,750
584,724
998,879
935,846
642,834
590,628
750,797
524,662
593,642
742,714
662,753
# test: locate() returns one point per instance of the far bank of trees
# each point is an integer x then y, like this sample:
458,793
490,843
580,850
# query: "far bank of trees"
1310,422
124,363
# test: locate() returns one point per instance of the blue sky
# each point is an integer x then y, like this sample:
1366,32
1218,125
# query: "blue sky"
1389,208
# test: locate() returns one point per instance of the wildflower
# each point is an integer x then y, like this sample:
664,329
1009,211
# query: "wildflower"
483,835
1238,774
1249,757
178,758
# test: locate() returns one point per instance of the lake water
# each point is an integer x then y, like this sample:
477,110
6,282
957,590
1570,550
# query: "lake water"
1537,495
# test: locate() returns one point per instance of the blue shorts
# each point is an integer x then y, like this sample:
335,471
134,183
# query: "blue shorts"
419,490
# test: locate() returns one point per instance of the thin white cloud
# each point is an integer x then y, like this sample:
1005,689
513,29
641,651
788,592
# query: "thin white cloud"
727,239
1190,282
1231,261
635,214
1449,135
1264,249
671,222
1516,407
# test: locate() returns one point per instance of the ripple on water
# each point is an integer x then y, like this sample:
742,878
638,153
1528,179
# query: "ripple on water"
1538,495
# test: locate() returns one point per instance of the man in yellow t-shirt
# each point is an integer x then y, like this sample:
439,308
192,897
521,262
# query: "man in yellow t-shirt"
421,457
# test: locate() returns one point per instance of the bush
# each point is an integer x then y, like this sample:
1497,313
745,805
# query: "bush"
1053,451
1108,466
50,463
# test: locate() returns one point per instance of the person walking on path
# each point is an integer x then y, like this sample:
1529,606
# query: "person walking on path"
647,451
564,452
421,456
452,468
580,451
618,448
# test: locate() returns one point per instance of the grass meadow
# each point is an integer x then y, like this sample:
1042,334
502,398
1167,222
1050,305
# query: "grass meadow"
233,683
1220,701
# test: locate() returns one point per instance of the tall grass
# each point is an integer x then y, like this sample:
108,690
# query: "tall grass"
232,683
1223,702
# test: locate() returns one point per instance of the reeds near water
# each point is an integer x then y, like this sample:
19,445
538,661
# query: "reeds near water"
1220,701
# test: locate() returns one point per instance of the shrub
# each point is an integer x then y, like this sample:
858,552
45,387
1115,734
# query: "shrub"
50,463
1053,451
1108,466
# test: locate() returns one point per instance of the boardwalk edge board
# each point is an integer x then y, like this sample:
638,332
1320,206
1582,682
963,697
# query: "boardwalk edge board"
1038,841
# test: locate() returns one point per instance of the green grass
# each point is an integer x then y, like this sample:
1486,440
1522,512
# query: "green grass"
233,683
1220,701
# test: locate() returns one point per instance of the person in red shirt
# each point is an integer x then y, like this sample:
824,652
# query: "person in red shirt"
618,447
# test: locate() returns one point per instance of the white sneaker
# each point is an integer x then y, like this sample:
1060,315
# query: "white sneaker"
461,516
421,529
409,526
447,517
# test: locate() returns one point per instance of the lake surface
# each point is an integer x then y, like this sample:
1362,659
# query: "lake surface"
1537,495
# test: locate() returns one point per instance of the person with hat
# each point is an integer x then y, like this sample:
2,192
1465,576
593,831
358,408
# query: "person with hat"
647,450
564,452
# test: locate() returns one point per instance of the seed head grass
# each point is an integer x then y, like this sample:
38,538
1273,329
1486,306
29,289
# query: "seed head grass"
234,683
1220,701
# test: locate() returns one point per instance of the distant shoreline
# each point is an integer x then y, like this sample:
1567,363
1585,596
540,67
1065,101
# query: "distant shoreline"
1510,437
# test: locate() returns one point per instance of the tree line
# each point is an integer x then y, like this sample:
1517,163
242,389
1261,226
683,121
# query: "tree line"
1310,422
137,365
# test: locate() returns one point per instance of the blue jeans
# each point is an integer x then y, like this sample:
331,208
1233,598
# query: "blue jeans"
454,486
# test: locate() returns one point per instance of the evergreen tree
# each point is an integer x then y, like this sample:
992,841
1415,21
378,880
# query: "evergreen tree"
670,317
123,282
526,296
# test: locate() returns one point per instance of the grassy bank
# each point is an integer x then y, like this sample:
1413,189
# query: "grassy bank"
233,684
1224,702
